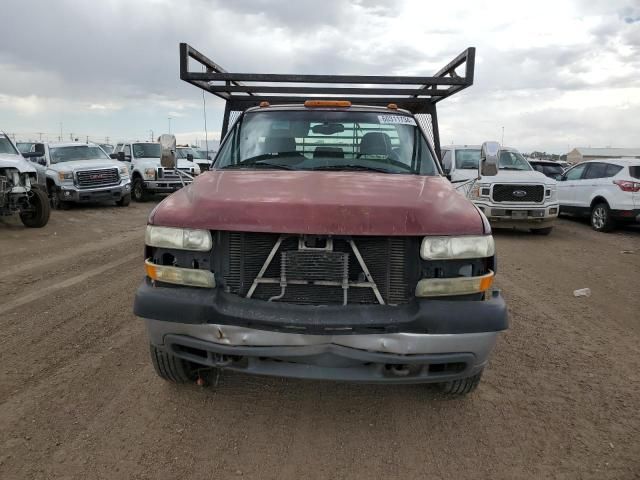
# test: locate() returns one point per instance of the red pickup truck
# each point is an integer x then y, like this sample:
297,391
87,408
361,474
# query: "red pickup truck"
325,243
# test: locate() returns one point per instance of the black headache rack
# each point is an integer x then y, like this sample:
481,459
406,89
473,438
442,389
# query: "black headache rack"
241,91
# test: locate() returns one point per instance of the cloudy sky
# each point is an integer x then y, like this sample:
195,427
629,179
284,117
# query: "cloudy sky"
555,74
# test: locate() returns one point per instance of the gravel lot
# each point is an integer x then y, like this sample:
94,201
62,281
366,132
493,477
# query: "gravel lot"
79,398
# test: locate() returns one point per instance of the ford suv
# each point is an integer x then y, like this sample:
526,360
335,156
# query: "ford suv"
607,191
325,243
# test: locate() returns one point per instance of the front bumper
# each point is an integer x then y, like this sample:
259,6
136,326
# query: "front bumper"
164,186
425,341
71,193
513,215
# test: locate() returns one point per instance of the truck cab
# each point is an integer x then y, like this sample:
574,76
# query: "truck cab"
148,177
517,197
325,244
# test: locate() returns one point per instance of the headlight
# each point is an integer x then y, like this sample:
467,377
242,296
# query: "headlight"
480,190
180,238
65,176
453,248
124,171
149,173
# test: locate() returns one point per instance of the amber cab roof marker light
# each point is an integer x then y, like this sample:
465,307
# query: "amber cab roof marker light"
392,106
264,104
327,103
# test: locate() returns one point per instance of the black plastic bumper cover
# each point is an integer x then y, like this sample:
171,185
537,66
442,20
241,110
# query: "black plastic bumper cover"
201,306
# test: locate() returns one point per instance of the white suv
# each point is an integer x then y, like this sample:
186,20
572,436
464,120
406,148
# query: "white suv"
607,190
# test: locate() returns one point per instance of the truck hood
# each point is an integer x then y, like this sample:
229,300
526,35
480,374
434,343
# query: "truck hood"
85,165
513,176
323,203
506,176
16,161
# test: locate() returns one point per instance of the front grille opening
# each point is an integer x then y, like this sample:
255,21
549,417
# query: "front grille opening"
518,193
197,352
168,259
387,259
446,368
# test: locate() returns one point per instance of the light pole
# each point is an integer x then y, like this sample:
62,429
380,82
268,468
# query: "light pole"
169,118
151,133
502,141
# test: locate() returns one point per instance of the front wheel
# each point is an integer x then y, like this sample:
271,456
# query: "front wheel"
601,219
171,368
138,191
461,387
541,231
38,214
124,201
56,203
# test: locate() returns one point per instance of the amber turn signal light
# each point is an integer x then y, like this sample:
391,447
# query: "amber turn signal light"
327,103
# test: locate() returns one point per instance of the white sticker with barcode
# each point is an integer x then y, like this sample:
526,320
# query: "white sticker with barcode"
396,119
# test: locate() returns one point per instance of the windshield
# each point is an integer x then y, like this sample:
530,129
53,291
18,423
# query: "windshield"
76,152
6,146
184,151
146,150
548,169
328,140
467,159
24,146
107,148
512,161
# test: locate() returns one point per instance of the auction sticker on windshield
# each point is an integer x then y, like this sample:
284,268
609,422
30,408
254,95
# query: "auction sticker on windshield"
396,119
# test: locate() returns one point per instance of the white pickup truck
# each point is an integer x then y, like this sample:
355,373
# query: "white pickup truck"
518,196
147,175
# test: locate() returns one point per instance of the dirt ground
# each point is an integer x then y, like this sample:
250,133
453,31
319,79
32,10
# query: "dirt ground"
79,398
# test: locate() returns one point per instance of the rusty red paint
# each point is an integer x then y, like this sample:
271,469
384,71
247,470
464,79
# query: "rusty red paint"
323,203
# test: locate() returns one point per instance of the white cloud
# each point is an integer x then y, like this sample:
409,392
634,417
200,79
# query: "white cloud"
574,62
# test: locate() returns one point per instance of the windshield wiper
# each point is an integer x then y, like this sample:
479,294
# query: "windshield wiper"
258,164
351,167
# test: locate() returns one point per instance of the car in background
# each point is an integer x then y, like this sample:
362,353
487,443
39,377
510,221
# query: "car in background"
19,190
550,168
517,197
108,148
607,191
80,172
148,176
193,155
24,147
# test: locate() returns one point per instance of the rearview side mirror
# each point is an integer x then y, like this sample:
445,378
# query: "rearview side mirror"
489,155
189,157
120,156
114,156
168,151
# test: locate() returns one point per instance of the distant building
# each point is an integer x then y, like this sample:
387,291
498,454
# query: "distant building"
580,154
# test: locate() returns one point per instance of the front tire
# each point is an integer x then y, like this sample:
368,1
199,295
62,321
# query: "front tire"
601,219
56,203
39,216
124,201
462,386
541,231
138,191
171,368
